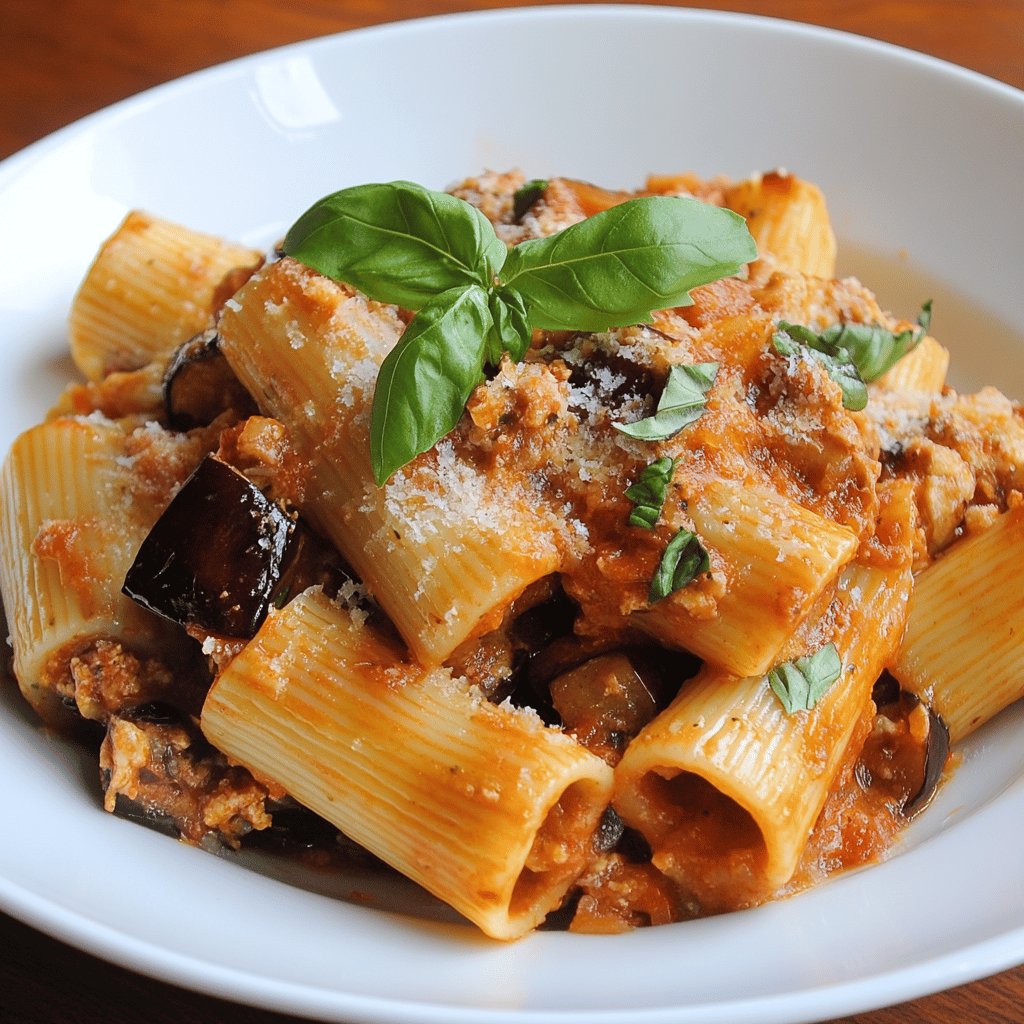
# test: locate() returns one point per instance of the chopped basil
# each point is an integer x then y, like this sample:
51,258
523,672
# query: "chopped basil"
794,340
873,349
681,403
648,493
682,561
854,355
800,684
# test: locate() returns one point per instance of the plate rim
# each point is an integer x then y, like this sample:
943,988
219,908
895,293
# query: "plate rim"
986,957
11,165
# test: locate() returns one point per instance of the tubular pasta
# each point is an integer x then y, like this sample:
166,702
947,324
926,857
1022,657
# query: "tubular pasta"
962,654
725,786
151,287
479,803
442,553
922,369
789,220
71,518
779,558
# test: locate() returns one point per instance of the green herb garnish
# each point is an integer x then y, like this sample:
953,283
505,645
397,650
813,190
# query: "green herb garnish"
794,340
398,243
681,403
526,195
616,267
475,299
648,493
436,365
854,355
800,684
874,349
682,561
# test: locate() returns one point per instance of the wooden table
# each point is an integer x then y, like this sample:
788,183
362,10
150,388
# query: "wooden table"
66,58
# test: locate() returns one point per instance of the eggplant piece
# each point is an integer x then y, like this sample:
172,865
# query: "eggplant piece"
935,757
152,817
199,384
219,556
604,702
159,771
610,830
907,755
293,828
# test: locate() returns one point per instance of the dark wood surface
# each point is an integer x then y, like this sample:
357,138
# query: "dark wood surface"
66,58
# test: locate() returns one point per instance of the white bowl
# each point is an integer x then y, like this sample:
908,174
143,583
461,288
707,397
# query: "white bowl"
922,164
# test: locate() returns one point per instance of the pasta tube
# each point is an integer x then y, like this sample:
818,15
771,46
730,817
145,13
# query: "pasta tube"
789,220
778,559
152,286
923,368
725,786
480,804
441,548
71,518
962,653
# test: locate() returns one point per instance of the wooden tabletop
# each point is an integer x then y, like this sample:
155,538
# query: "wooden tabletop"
67,58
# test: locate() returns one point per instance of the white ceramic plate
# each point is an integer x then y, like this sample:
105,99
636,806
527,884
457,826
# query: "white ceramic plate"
922,164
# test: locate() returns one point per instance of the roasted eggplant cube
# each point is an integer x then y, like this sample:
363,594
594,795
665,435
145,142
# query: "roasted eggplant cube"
199,384
217,555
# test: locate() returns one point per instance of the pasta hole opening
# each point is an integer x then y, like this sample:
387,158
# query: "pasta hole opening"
714,849
559,852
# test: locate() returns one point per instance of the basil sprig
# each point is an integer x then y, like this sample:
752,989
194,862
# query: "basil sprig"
681,403
614,268
682,561
475,299
800,684
853,355
648,493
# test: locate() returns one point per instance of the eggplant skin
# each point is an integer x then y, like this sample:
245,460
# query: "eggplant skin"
199,385
935,758
215,557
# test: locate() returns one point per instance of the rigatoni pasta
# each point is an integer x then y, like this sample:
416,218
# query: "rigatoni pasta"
725,786
639,636
74,512
479,803
441,567
962,652
781,558
152,286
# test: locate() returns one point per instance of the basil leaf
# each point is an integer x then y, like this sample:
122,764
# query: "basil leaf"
397,242
681,403
427,377
873,349
648,493
526,195
682,561
511,331
614,268
794,340
800,684
853,354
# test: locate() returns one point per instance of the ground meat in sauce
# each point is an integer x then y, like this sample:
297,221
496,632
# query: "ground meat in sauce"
165,774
